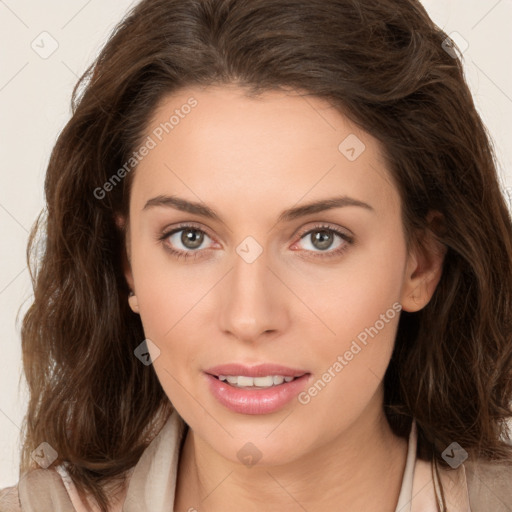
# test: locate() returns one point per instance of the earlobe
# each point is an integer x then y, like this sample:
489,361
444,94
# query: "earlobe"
424,270
132,298
133,302
420,291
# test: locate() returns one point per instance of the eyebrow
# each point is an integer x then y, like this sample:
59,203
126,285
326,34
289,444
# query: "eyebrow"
287,215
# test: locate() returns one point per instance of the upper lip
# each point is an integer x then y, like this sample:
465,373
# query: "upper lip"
259,370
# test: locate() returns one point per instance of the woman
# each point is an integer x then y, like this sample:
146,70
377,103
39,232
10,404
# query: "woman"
277,271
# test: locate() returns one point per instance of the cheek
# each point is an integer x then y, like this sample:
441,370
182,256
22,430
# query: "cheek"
172,299
167,292
360,307
358,293
168,309
350,368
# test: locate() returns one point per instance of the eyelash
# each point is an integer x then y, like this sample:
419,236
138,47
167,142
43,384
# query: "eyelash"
319,227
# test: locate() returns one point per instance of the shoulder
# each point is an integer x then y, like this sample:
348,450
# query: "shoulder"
489,485
49,490
9,499
37,490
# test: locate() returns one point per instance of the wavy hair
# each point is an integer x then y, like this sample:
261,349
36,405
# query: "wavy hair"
387,67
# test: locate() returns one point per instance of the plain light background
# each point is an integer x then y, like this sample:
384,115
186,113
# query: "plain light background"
35,93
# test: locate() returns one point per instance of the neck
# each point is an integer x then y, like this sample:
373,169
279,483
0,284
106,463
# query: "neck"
362,468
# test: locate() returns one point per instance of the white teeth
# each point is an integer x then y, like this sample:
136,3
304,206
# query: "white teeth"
263,382
242,381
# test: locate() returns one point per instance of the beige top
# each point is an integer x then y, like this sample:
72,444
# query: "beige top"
152,483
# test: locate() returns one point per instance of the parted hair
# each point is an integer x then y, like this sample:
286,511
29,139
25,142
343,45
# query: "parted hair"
387,67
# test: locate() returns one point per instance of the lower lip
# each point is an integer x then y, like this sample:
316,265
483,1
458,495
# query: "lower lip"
255,401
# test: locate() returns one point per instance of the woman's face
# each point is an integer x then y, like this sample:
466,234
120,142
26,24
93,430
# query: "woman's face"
259,275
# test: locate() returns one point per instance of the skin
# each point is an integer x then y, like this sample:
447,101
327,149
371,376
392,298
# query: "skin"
249,159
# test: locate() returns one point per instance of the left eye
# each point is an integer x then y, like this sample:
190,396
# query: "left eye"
322,239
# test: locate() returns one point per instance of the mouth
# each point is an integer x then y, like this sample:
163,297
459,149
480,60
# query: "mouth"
261,389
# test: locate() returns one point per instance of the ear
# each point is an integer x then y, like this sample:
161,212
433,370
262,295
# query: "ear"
424,266
125,261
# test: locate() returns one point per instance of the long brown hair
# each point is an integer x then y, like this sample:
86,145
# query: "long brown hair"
385,65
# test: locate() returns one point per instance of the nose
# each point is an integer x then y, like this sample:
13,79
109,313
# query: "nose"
253,301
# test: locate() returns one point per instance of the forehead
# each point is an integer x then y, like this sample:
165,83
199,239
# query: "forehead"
272,150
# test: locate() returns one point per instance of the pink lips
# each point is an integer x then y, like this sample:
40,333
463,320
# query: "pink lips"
255,401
